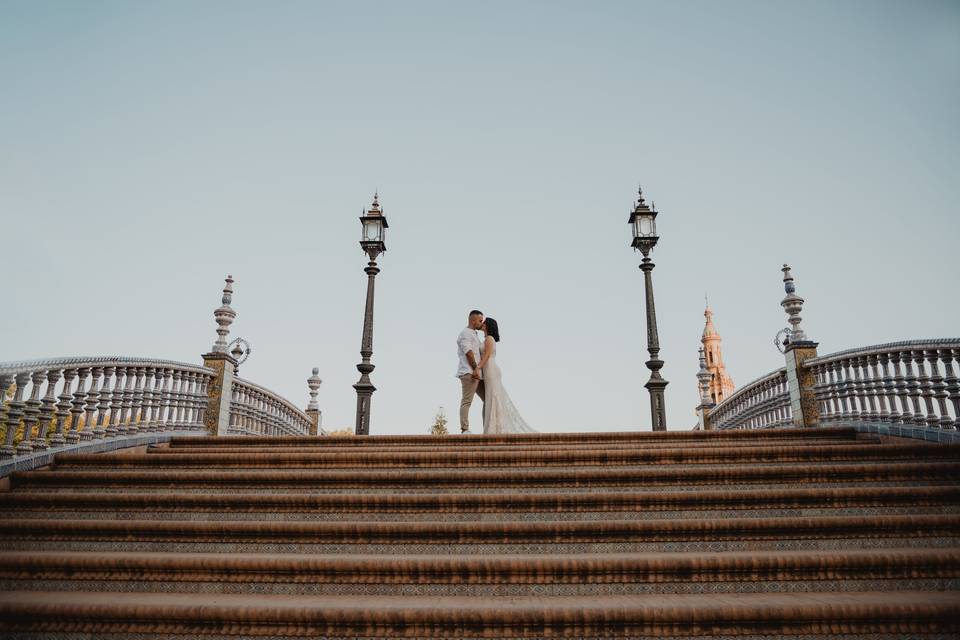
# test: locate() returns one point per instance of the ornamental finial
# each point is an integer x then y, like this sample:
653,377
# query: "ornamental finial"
224,316
792,304
639,195
703,379
375,206
314,382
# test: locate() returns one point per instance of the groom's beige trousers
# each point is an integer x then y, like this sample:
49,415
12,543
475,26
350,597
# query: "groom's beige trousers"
471,387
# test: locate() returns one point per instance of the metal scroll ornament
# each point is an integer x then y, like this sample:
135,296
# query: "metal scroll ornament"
782,339
240,350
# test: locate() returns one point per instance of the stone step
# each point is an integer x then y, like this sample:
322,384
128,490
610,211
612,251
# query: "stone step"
492,575
322,459
505,506
227,448
603,536
636,616
543,439
570,479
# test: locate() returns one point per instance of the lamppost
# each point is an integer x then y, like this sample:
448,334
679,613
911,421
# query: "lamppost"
643,220
371,241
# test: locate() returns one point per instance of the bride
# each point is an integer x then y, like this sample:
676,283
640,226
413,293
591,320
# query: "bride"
499,414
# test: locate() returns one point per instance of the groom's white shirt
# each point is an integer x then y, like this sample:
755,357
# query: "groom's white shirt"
468,340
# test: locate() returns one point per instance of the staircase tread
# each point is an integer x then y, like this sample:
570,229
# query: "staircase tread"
244,605
231,558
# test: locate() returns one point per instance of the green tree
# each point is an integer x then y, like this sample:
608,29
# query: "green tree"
439,427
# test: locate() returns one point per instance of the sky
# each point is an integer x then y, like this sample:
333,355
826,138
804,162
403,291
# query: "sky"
148,149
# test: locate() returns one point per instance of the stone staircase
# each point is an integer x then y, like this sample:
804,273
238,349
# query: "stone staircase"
745,534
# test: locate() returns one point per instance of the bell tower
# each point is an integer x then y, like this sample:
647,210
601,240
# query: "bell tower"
721,384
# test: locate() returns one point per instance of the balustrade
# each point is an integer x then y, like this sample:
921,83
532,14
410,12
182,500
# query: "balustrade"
902,383
98,398
762,404
255,410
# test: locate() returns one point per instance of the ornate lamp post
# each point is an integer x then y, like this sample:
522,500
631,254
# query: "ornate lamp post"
643,221
372,242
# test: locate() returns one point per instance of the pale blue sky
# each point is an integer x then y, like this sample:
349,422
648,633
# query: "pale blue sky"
147,149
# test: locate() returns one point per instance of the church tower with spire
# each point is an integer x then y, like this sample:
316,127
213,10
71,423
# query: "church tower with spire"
721,384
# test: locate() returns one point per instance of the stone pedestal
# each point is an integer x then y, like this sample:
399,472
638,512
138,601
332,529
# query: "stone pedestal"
219,391
801,380
314,416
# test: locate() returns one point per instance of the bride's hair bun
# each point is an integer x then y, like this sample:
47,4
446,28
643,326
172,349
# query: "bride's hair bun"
493,330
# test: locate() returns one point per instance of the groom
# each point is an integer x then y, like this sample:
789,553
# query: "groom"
468,350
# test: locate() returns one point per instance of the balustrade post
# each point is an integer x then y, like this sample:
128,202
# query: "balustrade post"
15,410
800,379
219,390
47,408
313,407
31,413
77,404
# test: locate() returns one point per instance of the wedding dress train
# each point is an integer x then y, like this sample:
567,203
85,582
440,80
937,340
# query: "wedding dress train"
499,413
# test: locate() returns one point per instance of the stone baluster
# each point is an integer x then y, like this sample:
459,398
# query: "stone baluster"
857,399
914,384
6,380
103,413
820,391
63,408
164,406
93,394
235,410
174,402
189,412
181,388
127,403
47,408
77,404
138,419
903,388
115,426
953,388
15,410
202,401
843,379
31,414
926,390
939,390
887,398
833,389
870,382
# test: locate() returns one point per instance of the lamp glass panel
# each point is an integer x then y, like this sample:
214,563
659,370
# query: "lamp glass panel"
371,230
646,226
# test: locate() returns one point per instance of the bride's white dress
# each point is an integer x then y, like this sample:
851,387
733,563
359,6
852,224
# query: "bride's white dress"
499,413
